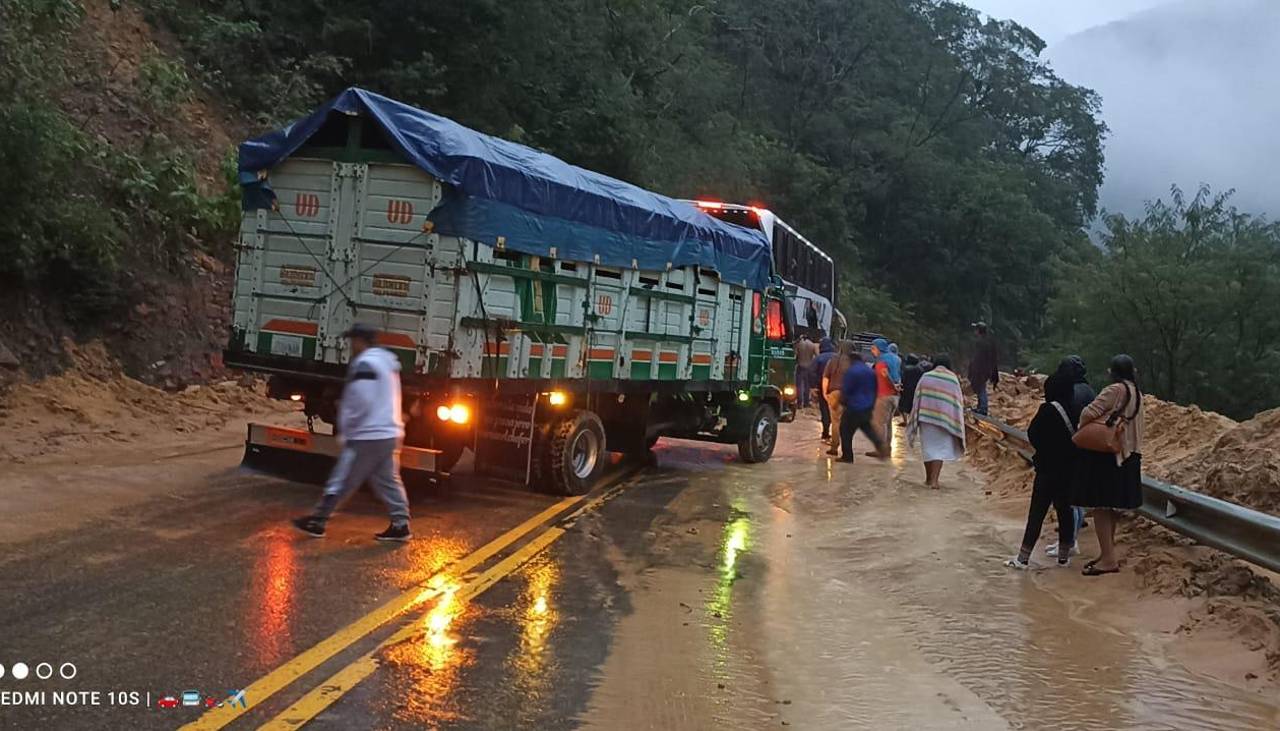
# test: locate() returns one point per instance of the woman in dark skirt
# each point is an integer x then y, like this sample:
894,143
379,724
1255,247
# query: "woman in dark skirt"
1111,482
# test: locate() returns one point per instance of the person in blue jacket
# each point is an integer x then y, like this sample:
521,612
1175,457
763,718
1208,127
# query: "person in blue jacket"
858,392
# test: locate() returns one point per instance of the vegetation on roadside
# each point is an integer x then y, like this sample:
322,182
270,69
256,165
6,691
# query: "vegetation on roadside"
946,167
1192,291
79,216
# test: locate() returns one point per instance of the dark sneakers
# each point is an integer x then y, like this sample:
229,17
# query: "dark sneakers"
312,526
394,533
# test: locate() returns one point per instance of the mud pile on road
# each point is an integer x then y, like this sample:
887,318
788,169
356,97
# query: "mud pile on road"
1198,450
92,404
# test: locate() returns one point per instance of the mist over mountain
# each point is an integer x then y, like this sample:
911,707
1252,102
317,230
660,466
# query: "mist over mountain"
1189,91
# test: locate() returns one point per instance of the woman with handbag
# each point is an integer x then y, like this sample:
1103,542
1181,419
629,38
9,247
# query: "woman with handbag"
1108,473
1050,434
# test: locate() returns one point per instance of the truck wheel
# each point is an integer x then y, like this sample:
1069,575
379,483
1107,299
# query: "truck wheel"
758,444
575,454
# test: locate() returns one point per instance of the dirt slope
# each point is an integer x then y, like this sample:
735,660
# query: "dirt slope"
91,406
173,333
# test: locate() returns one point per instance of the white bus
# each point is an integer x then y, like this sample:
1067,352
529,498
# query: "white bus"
806,269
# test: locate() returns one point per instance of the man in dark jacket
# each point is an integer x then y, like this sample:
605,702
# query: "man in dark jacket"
984,367
858,391
826,351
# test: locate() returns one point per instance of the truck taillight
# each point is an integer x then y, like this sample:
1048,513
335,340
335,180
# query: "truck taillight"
456,413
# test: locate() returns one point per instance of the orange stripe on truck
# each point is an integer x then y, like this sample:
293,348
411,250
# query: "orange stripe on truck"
668,357
601,354
396,340
701,359
292,326
642,356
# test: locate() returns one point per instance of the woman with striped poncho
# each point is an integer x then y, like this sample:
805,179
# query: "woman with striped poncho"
937,417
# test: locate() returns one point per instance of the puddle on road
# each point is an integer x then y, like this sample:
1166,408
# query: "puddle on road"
1013,645
890,609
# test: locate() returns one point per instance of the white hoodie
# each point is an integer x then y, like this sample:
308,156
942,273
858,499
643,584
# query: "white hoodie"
370,406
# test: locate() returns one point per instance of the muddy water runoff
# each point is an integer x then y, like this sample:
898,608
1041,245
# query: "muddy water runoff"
849,596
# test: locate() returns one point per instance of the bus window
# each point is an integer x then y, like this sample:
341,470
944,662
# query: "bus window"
775,325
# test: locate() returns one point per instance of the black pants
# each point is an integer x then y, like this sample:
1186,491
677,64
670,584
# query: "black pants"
1049,490
825,409
853,421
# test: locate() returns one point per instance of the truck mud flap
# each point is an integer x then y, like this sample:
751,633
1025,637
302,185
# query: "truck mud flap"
303,456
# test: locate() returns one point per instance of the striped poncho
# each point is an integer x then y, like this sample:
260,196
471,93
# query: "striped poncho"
940,402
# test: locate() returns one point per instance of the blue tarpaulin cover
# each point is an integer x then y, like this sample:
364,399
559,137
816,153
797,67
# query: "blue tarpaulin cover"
534,200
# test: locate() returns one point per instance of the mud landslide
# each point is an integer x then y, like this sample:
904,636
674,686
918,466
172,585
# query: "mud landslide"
1225,617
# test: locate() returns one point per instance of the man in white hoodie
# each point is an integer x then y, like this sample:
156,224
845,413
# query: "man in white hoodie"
371,427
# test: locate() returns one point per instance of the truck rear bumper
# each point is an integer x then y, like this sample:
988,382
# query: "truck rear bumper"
303,455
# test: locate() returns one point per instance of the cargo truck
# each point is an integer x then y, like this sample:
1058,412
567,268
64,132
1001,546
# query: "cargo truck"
543,314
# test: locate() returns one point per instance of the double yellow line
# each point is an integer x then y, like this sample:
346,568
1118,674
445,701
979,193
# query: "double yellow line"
328,692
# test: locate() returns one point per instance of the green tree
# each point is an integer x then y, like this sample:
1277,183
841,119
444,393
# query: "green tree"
1192,291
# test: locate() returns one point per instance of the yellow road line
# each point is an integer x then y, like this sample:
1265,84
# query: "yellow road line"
274,681
339,684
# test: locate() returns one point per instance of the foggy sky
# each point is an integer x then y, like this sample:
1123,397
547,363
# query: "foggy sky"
1188,89
1054,20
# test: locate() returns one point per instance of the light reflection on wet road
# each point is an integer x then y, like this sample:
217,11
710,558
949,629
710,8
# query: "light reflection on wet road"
800,593
709,594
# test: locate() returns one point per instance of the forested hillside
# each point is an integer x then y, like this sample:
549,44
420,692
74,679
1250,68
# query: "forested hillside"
940,161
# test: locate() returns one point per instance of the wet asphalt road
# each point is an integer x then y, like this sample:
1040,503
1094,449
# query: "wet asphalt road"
209,590
703,594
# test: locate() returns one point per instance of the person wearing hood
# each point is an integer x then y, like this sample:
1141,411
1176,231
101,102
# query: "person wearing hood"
826,352
371,426
1050,435
888,370
1071,370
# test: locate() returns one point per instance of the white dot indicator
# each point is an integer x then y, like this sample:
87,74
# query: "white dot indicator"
19,670
44,671
67,671
1,670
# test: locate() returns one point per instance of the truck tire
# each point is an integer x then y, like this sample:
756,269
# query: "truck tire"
762,437
575,452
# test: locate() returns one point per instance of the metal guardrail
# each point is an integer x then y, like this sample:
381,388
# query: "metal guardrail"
1242,532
